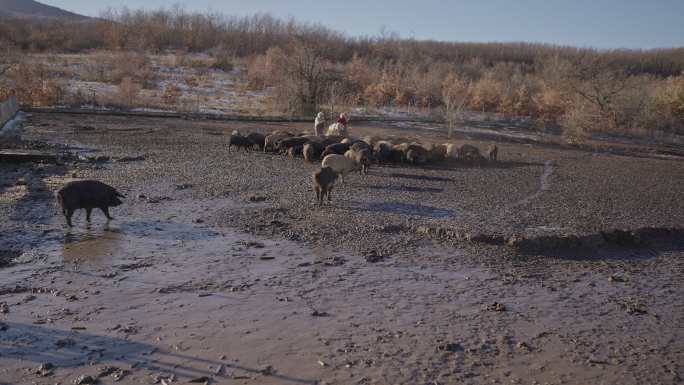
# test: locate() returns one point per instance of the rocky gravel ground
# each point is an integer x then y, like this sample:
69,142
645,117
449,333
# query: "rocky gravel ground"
552,265
533,191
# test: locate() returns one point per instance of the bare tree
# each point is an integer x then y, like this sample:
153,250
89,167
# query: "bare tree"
299,77
306,69
455,91
336,91
597,83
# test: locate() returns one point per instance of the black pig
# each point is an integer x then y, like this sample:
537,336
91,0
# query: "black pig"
87,194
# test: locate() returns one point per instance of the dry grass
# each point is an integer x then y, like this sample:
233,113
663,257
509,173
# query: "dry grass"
180,81
647,107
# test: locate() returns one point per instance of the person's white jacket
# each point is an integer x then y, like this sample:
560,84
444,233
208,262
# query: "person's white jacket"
319,124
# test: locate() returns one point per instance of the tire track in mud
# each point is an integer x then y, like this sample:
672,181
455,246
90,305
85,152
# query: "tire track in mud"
543,184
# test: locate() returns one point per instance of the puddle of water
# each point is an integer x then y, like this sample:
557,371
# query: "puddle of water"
164,230
100,245
94,246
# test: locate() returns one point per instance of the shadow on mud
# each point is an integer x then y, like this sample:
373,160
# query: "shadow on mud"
640,244
7,257
454,165
71,349
33,203
451,165
605,253
500,165
643,243
404,209
37,193
420,177
407,189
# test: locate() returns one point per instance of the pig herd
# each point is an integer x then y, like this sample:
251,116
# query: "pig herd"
338,155
341,155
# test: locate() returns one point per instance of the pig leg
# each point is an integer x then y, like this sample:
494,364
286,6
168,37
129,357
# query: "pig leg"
105,210
328,193
88,211
68,213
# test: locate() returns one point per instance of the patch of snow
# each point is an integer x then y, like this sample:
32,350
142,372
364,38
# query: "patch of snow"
213,111
150,110
89,106
13,126
90,87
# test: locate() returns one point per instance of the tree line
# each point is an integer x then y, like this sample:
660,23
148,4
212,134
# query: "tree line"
309,66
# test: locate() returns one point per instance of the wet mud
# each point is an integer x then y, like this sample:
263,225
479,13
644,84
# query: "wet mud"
553,266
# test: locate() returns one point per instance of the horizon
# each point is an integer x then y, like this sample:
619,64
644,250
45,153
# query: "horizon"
631,25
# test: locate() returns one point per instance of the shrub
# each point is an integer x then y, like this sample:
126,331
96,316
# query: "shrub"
256,73
298,77
266,70
181,58
428,89
486,93
577,121
128,92
376,95
134,66
76,99
668,103
33,85
224,62
358,75
171,95
549,104
191,81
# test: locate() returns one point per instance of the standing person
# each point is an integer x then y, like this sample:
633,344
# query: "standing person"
319,124
342,120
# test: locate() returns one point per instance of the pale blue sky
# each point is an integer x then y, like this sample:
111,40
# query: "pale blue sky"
583,23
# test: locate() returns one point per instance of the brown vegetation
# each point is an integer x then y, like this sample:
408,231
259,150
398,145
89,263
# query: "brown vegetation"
128,92
308,67
455,91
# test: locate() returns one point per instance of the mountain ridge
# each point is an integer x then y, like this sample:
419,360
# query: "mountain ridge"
30,9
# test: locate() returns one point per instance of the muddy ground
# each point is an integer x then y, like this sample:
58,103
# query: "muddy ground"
219,267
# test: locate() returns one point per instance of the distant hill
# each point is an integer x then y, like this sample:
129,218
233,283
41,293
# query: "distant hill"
29,9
